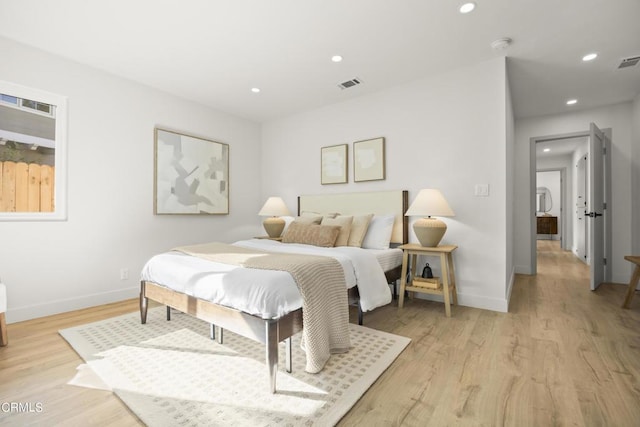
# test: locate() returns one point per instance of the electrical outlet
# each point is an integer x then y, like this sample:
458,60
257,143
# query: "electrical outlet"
124,274
482,190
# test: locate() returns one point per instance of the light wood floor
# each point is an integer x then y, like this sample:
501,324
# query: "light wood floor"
563,355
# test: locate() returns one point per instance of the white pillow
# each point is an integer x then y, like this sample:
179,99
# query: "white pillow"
379,232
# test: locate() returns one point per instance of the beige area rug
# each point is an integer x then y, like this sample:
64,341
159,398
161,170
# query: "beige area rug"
172,373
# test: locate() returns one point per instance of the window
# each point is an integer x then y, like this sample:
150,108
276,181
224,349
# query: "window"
9,99
28,104
32,154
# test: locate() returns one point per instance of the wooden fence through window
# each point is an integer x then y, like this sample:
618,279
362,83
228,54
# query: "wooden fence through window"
26,187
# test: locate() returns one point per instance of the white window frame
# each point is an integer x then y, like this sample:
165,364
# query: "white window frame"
60,102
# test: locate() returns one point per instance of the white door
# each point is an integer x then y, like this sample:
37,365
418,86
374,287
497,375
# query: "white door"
596,206
580,230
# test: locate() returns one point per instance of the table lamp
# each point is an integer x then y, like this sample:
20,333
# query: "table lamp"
274,208
430,202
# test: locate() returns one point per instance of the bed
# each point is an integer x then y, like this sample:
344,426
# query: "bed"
165,278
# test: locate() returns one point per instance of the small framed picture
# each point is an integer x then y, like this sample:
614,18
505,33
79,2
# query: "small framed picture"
368,160
334,164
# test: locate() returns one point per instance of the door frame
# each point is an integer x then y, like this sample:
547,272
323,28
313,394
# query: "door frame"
532,194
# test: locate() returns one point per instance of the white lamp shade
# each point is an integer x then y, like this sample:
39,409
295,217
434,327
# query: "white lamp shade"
429,202
274,206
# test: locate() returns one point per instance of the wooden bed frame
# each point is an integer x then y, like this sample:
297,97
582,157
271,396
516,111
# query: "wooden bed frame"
272,331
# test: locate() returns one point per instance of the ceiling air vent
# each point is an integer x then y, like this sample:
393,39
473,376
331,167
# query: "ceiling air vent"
350,83
629,62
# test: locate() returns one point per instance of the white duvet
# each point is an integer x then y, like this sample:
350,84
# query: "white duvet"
268,294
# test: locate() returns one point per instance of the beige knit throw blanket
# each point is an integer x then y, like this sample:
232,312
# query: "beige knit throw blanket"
325,311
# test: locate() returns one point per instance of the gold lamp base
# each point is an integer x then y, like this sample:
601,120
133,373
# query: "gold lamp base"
429,231
273,226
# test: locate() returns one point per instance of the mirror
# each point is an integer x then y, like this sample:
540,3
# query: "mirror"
543,200
32,154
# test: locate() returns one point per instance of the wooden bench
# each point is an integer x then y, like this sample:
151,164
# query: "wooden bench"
633,283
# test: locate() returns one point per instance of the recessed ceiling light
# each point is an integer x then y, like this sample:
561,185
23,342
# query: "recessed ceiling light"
336,58
589,57
467,7
546,150
572,101
255,90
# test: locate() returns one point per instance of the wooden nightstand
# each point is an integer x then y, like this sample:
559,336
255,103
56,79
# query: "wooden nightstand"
278,239
448,284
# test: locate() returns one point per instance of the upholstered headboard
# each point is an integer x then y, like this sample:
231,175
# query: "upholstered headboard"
375,202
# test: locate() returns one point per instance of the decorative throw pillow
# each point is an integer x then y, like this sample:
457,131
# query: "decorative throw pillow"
359,229
309,219
344,222
318,214
287,220
379,233
311,234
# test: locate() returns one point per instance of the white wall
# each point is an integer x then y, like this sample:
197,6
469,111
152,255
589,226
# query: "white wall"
510,189
617,117
447,132
52,267
550,179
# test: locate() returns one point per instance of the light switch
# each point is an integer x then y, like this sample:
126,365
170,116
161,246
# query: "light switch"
482,190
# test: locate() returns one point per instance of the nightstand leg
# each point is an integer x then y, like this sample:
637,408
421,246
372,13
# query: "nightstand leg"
4,336
452,281
445,284
414,265
403,278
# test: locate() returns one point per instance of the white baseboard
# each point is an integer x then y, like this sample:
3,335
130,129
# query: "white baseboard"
18,314
522,269
475,301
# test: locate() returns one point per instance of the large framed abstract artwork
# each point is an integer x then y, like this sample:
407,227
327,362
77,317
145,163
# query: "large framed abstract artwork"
191,175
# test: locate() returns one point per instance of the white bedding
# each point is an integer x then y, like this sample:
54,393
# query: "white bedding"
269,294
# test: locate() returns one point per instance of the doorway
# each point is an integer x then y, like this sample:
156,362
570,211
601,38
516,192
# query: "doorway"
563,152
550,199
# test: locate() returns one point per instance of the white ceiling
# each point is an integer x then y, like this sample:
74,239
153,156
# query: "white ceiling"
560,147
215,51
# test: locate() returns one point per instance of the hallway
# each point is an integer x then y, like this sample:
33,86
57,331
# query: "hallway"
554,261
584,348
